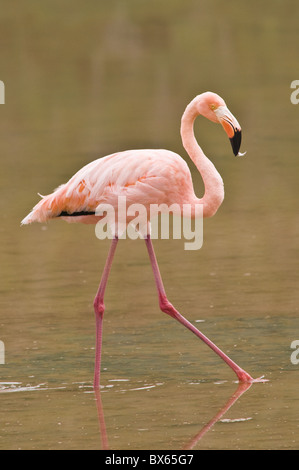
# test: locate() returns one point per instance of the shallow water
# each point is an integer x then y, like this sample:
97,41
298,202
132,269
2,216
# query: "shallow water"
119,77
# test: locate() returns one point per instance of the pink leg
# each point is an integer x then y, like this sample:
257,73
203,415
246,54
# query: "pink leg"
168,308
99,308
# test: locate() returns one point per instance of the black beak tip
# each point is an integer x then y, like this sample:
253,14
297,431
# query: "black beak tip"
236,141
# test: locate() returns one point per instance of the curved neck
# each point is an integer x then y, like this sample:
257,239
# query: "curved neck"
214,191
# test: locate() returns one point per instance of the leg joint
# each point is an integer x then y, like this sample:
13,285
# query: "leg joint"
99,306
166,306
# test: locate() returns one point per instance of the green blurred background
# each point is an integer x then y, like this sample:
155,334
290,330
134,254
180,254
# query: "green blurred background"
87,78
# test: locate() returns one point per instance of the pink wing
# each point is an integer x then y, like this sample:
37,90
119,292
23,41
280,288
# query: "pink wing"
143,176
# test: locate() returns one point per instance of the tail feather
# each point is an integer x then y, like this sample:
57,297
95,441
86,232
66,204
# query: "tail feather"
39,213
68,198
28,219
44,210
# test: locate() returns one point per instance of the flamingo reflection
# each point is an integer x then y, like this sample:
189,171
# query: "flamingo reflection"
101,418
241,389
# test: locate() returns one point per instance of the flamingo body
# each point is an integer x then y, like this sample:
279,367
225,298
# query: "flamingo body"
147,176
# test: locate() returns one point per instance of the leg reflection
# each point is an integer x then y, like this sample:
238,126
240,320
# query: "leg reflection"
242,388
101,418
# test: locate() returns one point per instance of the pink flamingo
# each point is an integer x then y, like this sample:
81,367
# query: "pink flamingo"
146,177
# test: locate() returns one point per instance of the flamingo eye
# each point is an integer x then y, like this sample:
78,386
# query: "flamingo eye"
212,107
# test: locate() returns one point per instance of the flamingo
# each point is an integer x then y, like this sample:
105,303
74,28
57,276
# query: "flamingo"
147,176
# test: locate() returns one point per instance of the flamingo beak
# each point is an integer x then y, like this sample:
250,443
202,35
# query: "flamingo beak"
231,127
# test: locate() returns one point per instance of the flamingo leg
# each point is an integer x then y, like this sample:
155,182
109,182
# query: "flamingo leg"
168,308
99,308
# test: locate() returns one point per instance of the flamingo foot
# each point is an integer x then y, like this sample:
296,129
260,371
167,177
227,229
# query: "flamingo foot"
244,377
260,380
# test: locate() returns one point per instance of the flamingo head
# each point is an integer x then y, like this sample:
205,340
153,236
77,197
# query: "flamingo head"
213,107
